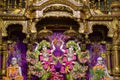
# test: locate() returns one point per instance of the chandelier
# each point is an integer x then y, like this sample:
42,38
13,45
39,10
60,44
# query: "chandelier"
70,32
45,32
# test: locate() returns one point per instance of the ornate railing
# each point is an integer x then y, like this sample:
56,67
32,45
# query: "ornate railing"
103,5
12,4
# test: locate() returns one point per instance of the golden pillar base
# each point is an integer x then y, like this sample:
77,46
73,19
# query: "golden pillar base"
116,76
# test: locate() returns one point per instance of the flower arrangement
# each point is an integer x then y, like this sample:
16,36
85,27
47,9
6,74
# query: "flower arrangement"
79,70
84,57
97,74
56,76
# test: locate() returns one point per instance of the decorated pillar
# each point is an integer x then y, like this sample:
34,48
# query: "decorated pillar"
0,49
4,58
30,49
115,60
30,40
99,4
108,53
116,49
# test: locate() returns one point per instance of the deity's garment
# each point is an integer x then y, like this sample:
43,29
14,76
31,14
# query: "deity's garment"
13,72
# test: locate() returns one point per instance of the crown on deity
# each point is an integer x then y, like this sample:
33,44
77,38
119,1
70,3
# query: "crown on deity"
71,43
44,43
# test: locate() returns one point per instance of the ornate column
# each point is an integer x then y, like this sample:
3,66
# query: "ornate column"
115,60
105,4
108,53
116,52
4,51
30,40
1,25
20,4
98,4
30,49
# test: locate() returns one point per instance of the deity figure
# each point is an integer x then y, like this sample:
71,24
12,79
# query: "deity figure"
45,54
69,55
13,52
14,71
100,71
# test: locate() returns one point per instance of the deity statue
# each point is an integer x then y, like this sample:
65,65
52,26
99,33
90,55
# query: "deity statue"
100,71
13,52
69,55
14,71
45,54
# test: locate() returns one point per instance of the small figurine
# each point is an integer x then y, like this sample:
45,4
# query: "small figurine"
14,71
100,71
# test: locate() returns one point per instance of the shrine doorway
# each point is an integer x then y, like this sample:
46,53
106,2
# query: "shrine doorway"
16,47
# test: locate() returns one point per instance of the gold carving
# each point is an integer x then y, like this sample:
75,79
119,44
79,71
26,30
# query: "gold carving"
115,26
58,8
65,2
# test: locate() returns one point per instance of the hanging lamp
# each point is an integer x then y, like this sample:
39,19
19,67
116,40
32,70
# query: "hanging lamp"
45,32
70,32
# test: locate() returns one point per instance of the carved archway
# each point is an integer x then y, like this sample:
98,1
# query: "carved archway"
7,23
105,23
100,31
14,32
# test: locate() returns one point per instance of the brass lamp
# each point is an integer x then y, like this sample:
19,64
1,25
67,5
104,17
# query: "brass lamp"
70,32
45,32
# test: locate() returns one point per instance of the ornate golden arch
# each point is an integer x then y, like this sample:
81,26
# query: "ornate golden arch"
65,2
107,24
7,23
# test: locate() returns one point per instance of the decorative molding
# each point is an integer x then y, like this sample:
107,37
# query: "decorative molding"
70,12
12,17
58,14
58,8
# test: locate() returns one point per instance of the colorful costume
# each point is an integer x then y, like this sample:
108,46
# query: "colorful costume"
46,60
13,52
68,61
69,56
45,56
13,72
